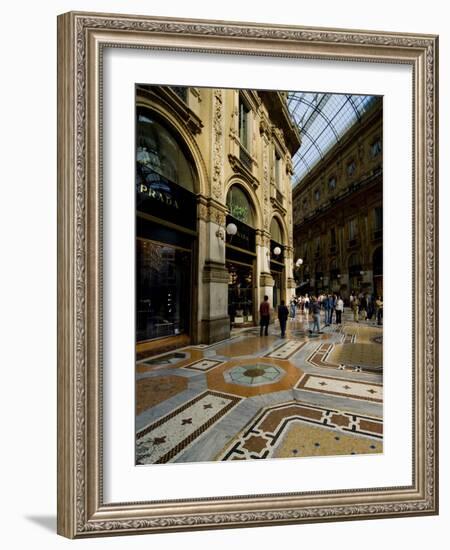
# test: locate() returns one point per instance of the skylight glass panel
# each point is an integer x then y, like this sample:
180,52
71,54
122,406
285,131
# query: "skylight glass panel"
302,170
326,140
322,120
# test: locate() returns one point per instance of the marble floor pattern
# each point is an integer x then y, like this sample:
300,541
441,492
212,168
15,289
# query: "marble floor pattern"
252,397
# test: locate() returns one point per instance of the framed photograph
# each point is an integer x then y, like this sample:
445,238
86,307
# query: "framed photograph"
247,284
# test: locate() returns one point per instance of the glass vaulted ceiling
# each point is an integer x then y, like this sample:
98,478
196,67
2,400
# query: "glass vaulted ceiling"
322,119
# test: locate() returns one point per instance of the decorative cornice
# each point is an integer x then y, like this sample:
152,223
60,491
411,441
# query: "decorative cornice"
265,128
238,168
277,206
169,99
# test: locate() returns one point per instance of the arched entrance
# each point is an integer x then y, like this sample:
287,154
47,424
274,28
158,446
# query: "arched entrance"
377,260
166,231
240,256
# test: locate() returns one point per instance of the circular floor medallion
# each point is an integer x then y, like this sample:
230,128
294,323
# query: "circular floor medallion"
257,374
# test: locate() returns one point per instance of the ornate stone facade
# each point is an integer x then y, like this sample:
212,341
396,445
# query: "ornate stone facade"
337,210
235,138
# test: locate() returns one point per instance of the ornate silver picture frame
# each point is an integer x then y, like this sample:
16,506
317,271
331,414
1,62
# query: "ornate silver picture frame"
83,510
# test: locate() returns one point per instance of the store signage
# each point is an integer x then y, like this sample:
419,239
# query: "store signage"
244,237
158,195
164,199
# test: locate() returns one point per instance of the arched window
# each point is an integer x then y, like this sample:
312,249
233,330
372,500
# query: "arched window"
276,231
239,205
159,153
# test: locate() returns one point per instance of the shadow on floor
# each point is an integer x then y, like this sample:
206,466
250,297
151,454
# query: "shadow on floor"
47,522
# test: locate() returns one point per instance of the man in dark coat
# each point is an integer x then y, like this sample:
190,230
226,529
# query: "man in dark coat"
283,314
264,314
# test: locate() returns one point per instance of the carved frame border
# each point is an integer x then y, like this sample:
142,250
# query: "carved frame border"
81,37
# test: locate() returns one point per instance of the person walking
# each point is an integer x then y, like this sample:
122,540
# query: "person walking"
283,313
339,310
264,315
327,303
292,308
315,309
306,306
352,297
333,307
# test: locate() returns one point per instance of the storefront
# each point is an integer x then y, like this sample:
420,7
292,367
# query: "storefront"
240,293
166,231
240,259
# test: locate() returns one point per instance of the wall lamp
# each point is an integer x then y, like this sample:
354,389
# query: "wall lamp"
231,230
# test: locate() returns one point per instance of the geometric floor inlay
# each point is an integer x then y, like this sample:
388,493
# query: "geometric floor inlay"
164,439
253,397
357,354
302,440
341,387
267,430
360,356
154,390
286,350
247,378
254,375
168,359
203,365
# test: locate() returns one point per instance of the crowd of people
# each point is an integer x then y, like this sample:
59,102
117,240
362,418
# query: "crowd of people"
364,307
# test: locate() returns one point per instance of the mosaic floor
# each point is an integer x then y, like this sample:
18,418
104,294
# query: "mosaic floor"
253,397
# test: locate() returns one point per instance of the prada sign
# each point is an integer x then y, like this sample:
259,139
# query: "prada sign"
245,235
161,195
164,199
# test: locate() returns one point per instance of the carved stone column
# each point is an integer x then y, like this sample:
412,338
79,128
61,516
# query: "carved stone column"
266,281
213,284
289,272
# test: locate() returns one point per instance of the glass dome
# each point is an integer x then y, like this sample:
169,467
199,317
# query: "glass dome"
323,119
